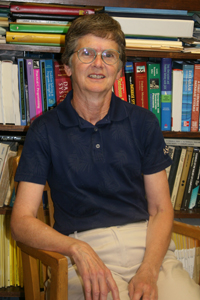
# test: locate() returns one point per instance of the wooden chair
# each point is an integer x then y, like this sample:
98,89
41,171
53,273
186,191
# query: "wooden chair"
58,262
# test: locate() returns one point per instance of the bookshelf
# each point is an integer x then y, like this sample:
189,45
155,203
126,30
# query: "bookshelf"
162,4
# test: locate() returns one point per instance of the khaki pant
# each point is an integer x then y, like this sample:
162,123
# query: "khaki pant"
122,249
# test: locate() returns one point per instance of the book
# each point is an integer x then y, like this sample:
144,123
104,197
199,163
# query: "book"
157,27
22,95
195,99
62,81
50,83
140,77
195,186
171,154
188,76
4,148
120,87
37,85
177,90
43,85
166,93
43,17
183,178
174,166
31,88
7,97
145,10
190,180
1,97
153,84
35,38
50,9
38,28
15,94
44,22
178,176
129,77
153,44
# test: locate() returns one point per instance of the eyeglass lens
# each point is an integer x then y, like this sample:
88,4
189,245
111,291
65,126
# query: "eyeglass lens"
87,55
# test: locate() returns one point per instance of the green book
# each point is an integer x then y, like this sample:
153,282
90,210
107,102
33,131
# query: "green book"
38,28
154,93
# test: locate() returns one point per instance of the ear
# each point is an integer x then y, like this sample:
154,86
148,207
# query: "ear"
68,70
119,74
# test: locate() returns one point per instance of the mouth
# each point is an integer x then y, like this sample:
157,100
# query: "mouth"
96,76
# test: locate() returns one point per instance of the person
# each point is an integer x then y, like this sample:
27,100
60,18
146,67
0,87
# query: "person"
104,160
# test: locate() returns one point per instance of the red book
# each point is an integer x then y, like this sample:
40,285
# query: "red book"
195,99
141,91
50,10
120,87
62,82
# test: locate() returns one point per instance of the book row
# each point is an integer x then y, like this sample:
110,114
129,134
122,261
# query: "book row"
184,177
30,87
169,88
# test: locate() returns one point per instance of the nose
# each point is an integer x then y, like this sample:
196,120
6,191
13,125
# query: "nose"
98,60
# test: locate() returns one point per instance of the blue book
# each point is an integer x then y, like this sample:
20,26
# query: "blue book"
146,10
188,76
166,93
22,92
50,83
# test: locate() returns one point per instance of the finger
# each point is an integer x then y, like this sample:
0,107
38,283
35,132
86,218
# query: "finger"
113,287
87,289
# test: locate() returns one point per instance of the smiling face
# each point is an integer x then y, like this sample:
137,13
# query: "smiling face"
97,76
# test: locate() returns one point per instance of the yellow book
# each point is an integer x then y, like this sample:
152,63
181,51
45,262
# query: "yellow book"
35,38
1,252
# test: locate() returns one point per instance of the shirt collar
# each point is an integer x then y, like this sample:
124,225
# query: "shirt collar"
69,117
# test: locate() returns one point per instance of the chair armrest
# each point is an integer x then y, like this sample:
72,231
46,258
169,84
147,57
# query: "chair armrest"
59,271
187,230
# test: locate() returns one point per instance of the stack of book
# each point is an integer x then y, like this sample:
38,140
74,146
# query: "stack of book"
30,86
42,24
153,29
169,88
184,173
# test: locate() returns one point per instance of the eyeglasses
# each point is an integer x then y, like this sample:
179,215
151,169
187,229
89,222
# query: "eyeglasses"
88,55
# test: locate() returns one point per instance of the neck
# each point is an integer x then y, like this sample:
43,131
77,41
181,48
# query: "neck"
92,109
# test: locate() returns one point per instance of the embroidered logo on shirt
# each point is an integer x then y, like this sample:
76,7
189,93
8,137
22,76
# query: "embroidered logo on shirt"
166,150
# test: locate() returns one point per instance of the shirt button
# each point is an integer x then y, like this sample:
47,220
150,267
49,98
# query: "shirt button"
97,146
95,129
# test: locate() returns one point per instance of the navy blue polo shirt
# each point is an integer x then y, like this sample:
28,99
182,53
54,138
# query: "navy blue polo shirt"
95,172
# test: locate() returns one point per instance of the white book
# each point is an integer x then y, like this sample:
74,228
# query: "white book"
4,149
8,111
1,99
178,176
156,27
177,90
15,94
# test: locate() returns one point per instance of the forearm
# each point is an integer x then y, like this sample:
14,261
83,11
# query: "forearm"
158,239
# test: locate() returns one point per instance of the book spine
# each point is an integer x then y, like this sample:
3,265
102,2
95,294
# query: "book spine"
178,176
50,10
62,82
50,83
37,83
183,179
195,185
174,166
190,179
43,85
36,28
140,77
120,87
153,77
195,99
31,89
177,89
4,148
129,77
166,93
188,76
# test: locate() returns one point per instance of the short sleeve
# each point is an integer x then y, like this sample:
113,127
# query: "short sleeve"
156,155
35,159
